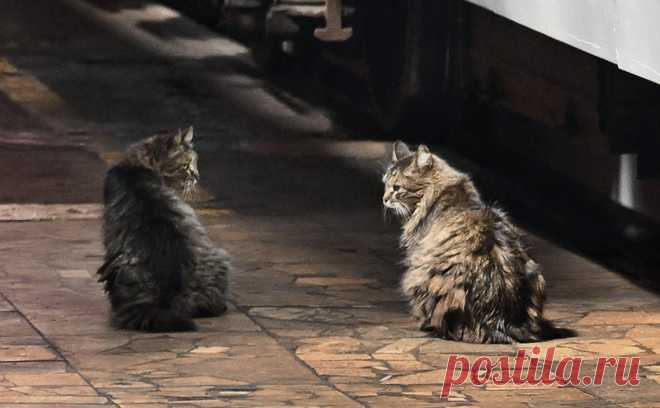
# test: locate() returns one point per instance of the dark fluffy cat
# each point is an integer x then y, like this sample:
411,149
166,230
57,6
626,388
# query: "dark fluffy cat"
468,276
160,269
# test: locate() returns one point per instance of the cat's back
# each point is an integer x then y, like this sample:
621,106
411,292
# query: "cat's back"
137,199
141,190
124,182
460,236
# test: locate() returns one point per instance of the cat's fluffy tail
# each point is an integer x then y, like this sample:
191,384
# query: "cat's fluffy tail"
152,318
551,332
545,331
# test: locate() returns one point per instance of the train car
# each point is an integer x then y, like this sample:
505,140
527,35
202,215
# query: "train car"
566,92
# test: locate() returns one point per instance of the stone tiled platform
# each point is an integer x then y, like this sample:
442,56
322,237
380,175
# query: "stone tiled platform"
316,320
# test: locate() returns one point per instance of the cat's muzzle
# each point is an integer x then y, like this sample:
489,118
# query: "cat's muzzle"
189,186
395,208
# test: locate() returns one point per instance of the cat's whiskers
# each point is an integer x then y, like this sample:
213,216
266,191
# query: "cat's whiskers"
188,189
402,211
398,209
386,215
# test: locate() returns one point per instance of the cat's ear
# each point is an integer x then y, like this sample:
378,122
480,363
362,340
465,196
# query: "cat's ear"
400,151
187,135
180,138
423,158
175,139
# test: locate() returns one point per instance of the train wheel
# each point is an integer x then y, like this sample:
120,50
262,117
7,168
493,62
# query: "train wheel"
411,49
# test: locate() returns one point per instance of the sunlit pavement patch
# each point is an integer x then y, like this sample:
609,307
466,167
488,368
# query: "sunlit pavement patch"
29,92
332,281
46,212
51,212
15,353
364,150
74,273
214,212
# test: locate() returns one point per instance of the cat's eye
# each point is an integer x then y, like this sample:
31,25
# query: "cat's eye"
396,187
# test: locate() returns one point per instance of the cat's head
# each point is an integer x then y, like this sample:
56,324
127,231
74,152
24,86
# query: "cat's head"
172,156
406,177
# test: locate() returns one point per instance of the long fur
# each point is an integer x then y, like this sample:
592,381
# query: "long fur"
468,276
160,269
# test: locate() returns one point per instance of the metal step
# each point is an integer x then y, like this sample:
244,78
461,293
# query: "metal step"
245,4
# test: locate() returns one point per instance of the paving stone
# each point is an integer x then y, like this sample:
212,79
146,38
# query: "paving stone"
4,306
437,346
349,368
647,391
368,390
402,346
59,323
247,358
12,397
274,318
33,367
612,318
647,337
231,321
644,332
394,357
12,324
537,396
296,334
210,350
35,212
269,395
305,395
332,281
434,377
405,401
74,273
638,404
200,380
49,379
588,349
406,366
331,345
85,390
308,357
9,353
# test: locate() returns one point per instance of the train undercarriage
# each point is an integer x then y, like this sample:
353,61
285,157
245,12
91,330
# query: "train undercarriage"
580,132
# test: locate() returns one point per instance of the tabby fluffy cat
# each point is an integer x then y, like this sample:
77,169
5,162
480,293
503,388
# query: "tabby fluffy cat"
468,276
160,269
